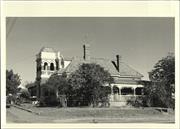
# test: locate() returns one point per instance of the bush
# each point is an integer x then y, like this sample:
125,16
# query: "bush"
136,101
24,93
49,98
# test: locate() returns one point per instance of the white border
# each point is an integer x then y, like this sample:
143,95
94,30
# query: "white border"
88,9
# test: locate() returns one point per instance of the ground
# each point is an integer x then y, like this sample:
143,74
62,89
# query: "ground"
88,115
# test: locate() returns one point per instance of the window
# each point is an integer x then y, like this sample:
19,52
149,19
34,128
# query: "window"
115,89
45,65
51,66
127,91
139,91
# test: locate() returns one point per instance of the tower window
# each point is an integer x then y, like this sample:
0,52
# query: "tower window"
52,66
45,65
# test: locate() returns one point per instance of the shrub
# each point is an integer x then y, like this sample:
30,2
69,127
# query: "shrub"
137,101
49,97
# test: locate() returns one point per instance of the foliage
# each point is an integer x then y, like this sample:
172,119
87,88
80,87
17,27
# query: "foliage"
12,82
32,88
24,93
155,94
49,97
159,91
136,102
55,86
164,71
87,84
83,87
59,83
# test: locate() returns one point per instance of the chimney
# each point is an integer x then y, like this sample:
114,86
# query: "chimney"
86,50
116,63
117,57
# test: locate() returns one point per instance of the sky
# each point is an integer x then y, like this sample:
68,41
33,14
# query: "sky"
141,41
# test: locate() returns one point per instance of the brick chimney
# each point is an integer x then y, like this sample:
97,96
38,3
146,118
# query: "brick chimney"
86,52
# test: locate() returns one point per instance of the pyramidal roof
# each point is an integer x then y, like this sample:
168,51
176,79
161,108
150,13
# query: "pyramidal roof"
47,49
125,70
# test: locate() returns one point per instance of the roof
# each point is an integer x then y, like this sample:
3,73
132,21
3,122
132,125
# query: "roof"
125,70
125,81
47,49
30,86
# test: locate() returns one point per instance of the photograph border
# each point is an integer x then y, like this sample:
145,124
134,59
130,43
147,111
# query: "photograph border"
88,9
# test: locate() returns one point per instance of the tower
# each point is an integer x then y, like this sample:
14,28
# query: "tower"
48,61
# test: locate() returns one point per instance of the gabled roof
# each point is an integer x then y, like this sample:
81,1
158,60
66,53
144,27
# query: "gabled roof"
125,70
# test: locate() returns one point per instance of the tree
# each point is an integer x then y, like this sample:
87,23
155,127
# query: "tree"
49,97
12,82
32,88
24,93
54,88
163,80
154,94
164,70
87,84
59,83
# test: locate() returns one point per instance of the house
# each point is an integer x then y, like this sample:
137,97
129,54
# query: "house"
126,83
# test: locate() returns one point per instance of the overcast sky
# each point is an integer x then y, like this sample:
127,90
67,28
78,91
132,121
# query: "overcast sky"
140,41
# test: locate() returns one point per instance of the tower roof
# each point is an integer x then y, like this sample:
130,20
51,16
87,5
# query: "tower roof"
47,49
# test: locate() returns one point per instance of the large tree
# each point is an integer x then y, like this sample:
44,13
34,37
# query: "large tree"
163,82
55,89
12,82
88,84
59,83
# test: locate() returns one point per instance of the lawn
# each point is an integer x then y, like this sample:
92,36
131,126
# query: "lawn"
89,115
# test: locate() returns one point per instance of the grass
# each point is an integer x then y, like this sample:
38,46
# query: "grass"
93,115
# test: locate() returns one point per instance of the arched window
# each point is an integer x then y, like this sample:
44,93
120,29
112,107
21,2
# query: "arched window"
115,89
51,66
45,65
